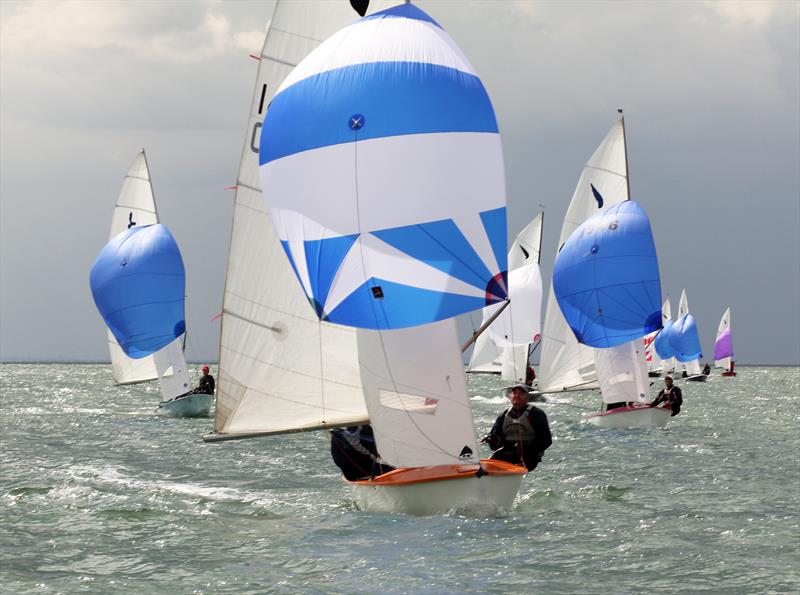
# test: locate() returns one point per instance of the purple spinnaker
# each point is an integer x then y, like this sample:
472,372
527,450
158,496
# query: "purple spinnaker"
724,345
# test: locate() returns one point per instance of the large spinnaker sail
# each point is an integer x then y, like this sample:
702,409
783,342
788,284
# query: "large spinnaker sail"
565,363
135,204
606,278
723,346
403,220
280,369
416,394
685,342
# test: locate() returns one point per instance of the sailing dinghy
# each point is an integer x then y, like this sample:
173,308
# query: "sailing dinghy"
136,208
723,346
400,229
607,284
690,367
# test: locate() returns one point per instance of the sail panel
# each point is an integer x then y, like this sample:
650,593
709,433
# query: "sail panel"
662,342
135,204
622,373
526,246
606,278
565,363
384,97
416,394
173,376
486,356
515,364
138,284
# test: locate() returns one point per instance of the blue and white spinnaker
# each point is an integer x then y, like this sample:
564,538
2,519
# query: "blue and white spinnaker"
382,170
606,278
138,283
684,340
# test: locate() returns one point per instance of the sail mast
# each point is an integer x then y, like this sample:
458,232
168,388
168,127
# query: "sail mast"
625,144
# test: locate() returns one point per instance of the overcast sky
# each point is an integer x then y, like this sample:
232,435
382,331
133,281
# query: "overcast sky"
710,91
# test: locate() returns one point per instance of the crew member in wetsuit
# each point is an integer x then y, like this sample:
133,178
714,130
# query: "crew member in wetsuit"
354,452
521,434
206,384
671,395
707,370
530,375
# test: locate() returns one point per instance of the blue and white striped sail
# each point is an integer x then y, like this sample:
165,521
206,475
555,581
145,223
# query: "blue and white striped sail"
684,340
138,283
606,278
382,170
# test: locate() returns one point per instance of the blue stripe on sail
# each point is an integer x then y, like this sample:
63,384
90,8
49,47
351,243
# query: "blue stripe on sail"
408,11
494,222
323,258
441,245
401,306
394,98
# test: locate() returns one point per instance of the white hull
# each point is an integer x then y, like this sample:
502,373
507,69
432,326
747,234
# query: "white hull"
485,496
641,416
192,405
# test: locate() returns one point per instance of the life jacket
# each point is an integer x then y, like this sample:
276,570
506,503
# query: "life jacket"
519,429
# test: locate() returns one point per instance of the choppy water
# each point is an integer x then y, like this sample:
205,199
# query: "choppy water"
98,494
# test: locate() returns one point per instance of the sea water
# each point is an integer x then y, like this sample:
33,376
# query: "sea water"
99,494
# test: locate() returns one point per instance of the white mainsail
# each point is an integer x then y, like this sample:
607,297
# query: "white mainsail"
692,368
565,363
135,204
280,368
505,346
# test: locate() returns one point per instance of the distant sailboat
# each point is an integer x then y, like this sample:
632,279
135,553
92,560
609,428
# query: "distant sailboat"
567,365
723,346
607,284
505,349
691,367
136,209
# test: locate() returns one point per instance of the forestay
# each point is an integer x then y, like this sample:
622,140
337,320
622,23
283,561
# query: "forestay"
565,363
135,205
280,368
403,220
723,346
416,394
606,278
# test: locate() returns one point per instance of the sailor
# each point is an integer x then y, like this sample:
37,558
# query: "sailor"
671,395
354,452
521,434
530,375
206,384
707,369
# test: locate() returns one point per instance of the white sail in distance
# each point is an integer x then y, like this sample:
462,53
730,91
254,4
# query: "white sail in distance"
280,369
566,364
135,204
692,368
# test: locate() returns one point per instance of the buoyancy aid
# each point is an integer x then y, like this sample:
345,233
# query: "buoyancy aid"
519,429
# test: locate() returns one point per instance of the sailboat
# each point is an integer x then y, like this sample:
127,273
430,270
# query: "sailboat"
607,284
567,365
691,367
506,347
353,316
136,207
723,346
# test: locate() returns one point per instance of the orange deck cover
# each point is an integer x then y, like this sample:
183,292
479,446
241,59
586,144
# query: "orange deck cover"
441,472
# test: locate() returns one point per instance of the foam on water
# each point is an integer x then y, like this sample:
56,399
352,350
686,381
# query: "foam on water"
99,494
